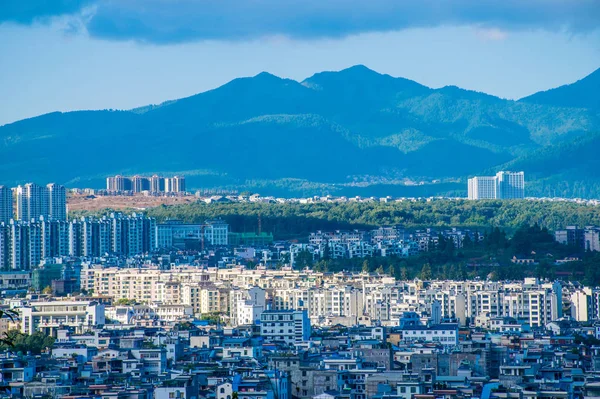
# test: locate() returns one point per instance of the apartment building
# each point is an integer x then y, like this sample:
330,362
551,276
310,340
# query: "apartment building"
176,234
6,204
154,184
288,326
34,201
445,334
49,317
505,185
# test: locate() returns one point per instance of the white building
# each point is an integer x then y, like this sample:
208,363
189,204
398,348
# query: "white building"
445,334
483,187
505,185
48,317
581,305
57,201
289,326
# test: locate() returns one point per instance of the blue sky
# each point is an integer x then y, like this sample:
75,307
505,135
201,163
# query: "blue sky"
94,54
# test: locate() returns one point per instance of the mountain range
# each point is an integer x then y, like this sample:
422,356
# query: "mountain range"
352,132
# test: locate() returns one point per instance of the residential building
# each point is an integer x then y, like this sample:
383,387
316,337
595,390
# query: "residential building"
6,204
505,185
48,317
291,327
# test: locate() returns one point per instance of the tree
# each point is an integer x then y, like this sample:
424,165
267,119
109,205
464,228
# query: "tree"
426,273
467,243
34,343
326,251
304,259
125,302
47,290
365,267
379,270
392,271
404,274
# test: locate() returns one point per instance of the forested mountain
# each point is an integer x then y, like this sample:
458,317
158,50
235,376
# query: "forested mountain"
584,93
334,132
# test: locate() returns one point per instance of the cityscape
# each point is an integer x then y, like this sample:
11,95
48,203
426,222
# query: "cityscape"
299,200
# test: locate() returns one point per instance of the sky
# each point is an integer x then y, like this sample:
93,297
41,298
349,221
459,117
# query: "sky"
63,55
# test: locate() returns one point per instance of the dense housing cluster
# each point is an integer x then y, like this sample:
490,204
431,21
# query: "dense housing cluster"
190,332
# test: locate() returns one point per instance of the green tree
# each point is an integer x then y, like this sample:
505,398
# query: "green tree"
125,302
467,243
426,273
404,274
304,259
47,290
34,343
379,270
365,266
326,251
392,270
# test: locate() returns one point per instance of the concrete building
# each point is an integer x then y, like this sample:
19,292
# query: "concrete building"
176,234
581,305
32,202
287,326
505,185
57,201
6,204
511,185
592,239
483,187
49,317
445,334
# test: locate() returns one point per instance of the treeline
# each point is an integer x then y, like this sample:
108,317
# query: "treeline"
293,220
35,343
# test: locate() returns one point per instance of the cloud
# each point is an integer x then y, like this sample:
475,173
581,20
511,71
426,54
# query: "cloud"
493,34
29,11
173,21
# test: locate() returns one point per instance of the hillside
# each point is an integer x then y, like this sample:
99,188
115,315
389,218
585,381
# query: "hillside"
582,94
335,132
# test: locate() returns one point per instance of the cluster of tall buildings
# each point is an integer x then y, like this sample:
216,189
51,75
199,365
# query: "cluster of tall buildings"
32,202
24,245
505,185
154,184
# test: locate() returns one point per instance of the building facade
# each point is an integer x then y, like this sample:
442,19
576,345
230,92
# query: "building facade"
505,185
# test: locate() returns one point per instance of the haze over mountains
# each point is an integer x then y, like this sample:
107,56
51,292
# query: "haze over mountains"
352,132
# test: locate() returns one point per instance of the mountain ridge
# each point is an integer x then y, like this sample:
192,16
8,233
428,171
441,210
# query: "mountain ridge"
335,127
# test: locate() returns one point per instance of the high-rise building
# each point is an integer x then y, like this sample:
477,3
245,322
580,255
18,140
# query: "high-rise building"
140,183
32,202
111,184
4,247
178,184
483,187
511,185
119,183
505,185
57,201
6,204
155,184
